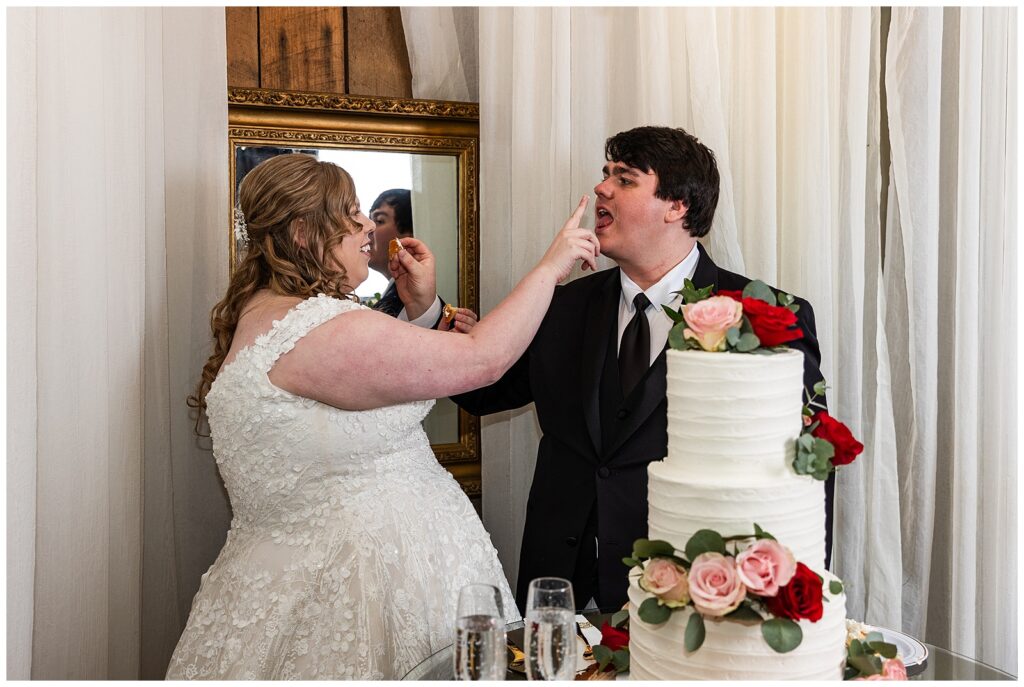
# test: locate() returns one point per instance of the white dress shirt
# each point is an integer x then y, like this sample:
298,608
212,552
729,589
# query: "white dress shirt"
658,294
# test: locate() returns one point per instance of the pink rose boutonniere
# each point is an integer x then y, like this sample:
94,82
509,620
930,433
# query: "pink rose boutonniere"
715,587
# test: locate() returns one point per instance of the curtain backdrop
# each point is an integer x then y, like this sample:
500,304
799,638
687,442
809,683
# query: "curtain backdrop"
950,277
905,262
117,249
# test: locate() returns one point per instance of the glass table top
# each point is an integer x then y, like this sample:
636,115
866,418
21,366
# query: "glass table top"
941,664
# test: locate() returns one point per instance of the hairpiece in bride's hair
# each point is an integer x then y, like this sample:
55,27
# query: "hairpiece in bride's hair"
241,232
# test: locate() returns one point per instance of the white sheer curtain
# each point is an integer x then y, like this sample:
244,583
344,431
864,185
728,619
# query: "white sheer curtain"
950,275
793,101
117,250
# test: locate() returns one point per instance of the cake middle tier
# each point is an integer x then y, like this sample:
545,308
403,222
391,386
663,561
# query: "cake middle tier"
792,510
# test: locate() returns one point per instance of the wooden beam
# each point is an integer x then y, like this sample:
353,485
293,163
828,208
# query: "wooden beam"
242,28
302,49
378,59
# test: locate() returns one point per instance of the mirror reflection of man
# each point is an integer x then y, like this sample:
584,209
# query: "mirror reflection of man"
392,215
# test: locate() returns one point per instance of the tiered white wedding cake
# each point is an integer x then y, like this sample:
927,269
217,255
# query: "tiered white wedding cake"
733,420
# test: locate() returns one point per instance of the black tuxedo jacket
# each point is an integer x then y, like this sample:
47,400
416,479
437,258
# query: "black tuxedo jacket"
591,475
390,303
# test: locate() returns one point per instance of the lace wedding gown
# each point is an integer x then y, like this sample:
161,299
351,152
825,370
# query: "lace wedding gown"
349,542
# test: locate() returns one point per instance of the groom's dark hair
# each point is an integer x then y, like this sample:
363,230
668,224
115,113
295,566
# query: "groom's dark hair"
686,169
400,200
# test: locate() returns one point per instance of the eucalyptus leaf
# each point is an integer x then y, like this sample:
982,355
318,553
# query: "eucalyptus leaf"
761,291
648,548
835,586
747,343
760,533
691,294
866,664
674,315
630,561
803,464
694,637
732,335
620,659
824,449
603,656
652,612
676,340
806,442
782,634
856,648
884,649
819,388
704,541
619,617
874,637
745,613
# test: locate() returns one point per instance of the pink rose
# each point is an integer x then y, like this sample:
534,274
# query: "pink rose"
709,319
764,566
667,580
715,587
893,669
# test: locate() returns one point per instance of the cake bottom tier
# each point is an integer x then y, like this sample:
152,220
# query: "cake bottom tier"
734,651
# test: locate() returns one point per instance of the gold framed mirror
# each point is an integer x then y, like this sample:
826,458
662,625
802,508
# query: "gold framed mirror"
429,147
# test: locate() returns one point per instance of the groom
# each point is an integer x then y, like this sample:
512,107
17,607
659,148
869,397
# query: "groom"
596,368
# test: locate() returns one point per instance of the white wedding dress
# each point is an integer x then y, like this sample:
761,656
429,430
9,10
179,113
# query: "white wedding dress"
349,542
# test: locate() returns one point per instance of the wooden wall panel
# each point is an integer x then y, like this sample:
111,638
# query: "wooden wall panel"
378,59
243,46
354,50
302,48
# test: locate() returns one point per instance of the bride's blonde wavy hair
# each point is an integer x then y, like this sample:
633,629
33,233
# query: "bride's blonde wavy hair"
274,197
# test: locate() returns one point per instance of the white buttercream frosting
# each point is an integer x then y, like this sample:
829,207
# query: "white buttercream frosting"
733,421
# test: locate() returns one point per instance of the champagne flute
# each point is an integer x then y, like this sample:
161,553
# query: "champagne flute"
550,630
479,634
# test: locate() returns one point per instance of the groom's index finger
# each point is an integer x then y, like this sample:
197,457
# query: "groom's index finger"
577,214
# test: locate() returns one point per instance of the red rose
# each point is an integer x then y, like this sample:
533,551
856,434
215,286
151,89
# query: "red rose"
613,637
772,324
836,433
800,599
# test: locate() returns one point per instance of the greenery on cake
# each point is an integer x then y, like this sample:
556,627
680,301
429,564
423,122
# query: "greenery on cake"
755,320
825,443
761,320
747,578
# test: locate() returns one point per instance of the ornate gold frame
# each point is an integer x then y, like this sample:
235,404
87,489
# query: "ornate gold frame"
269,117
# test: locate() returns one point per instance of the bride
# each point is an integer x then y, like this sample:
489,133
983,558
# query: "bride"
349,542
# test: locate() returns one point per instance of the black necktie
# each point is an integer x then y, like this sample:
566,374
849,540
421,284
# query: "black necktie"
635,348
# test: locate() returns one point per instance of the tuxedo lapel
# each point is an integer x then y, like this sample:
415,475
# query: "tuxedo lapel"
602,314
706,272
652,394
